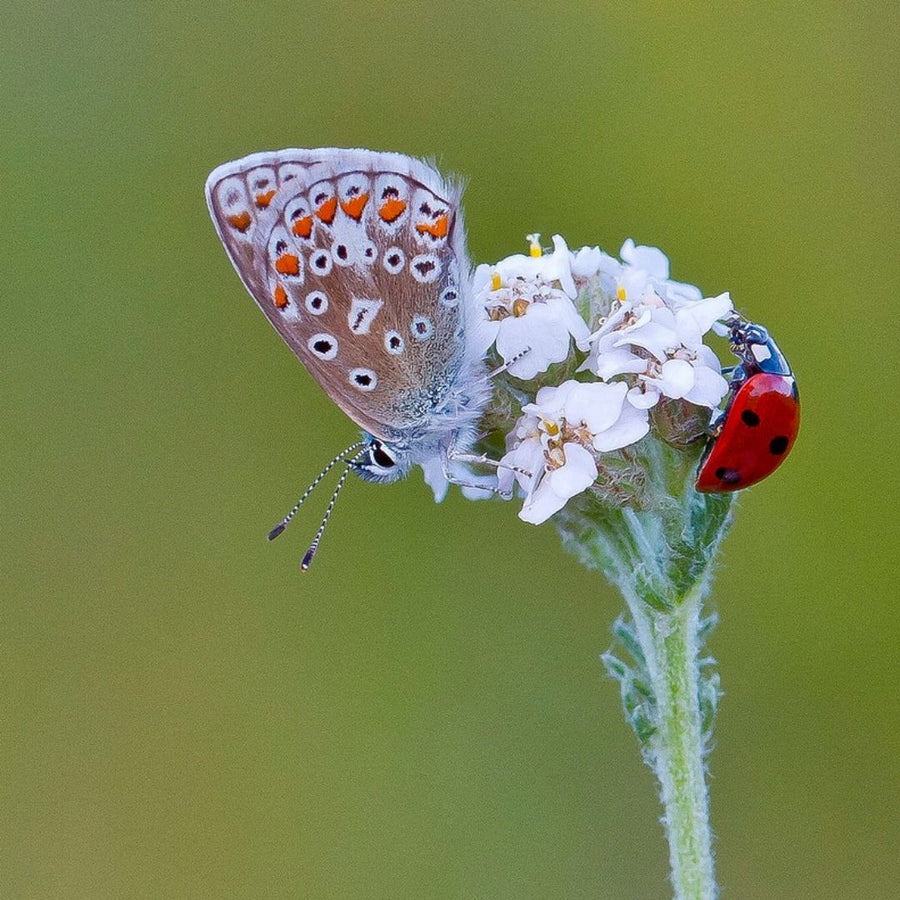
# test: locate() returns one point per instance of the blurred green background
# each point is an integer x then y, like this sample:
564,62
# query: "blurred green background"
424,714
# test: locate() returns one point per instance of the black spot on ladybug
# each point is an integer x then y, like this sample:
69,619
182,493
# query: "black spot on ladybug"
778,445
748,417
729,476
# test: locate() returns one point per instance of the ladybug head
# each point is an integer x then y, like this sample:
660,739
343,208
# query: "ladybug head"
756,350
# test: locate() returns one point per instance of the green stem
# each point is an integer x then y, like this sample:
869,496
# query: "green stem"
670,645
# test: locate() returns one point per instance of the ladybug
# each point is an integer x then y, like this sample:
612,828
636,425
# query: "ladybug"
758,425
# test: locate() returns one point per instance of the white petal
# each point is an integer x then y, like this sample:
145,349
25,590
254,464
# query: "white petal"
631,426
541,505
482,333
541,332
564,310
701,315
481,280
587,262
706,356
709,388
677,378
578,473
619,361
653,337
651,259
598,405
524,464
643,396
558,486
562,266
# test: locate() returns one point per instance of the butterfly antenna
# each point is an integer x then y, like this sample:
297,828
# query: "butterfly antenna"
314,546
286,520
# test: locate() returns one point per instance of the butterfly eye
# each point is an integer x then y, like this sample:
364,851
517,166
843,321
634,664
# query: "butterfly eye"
382,457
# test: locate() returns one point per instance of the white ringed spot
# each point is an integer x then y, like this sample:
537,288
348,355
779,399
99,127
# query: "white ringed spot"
421,328
316,302
320,262
425,267
363,379
368,253
394,260
325,346
394,343
450,296
342,254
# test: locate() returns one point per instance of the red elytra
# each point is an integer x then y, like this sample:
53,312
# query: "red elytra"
761,417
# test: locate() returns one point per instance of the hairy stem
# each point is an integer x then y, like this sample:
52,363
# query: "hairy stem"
670,646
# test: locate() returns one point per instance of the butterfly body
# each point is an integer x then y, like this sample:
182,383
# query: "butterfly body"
358,260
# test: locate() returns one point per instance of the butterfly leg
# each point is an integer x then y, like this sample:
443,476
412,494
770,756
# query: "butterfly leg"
453,478
483,460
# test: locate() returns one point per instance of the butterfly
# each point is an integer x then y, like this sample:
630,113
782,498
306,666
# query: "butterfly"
358,260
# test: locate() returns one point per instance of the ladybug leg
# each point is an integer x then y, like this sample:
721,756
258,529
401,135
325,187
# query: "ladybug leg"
716,421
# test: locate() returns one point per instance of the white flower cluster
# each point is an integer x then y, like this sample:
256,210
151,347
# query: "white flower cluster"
646,344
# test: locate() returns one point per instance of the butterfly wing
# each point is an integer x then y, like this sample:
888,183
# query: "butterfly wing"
358,260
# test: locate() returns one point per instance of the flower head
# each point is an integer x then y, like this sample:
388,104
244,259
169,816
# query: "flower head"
557,442
528,311
635,341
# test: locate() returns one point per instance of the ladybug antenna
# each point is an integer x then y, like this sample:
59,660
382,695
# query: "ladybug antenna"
314,546
287,519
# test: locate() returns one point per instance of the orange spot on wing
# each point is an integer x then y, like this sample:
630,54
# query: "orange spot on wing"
281,297
355,206
391,209
287,264
327,210
263,200
438,229
241,221
303,227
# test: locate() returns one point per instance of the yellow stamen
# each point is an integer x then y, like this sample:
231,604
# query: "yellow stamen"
551,428
496,281
534,245
620,293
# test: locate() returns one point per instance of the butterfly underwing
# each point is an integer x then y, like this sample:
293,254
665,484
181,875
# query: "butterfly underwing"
358,260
